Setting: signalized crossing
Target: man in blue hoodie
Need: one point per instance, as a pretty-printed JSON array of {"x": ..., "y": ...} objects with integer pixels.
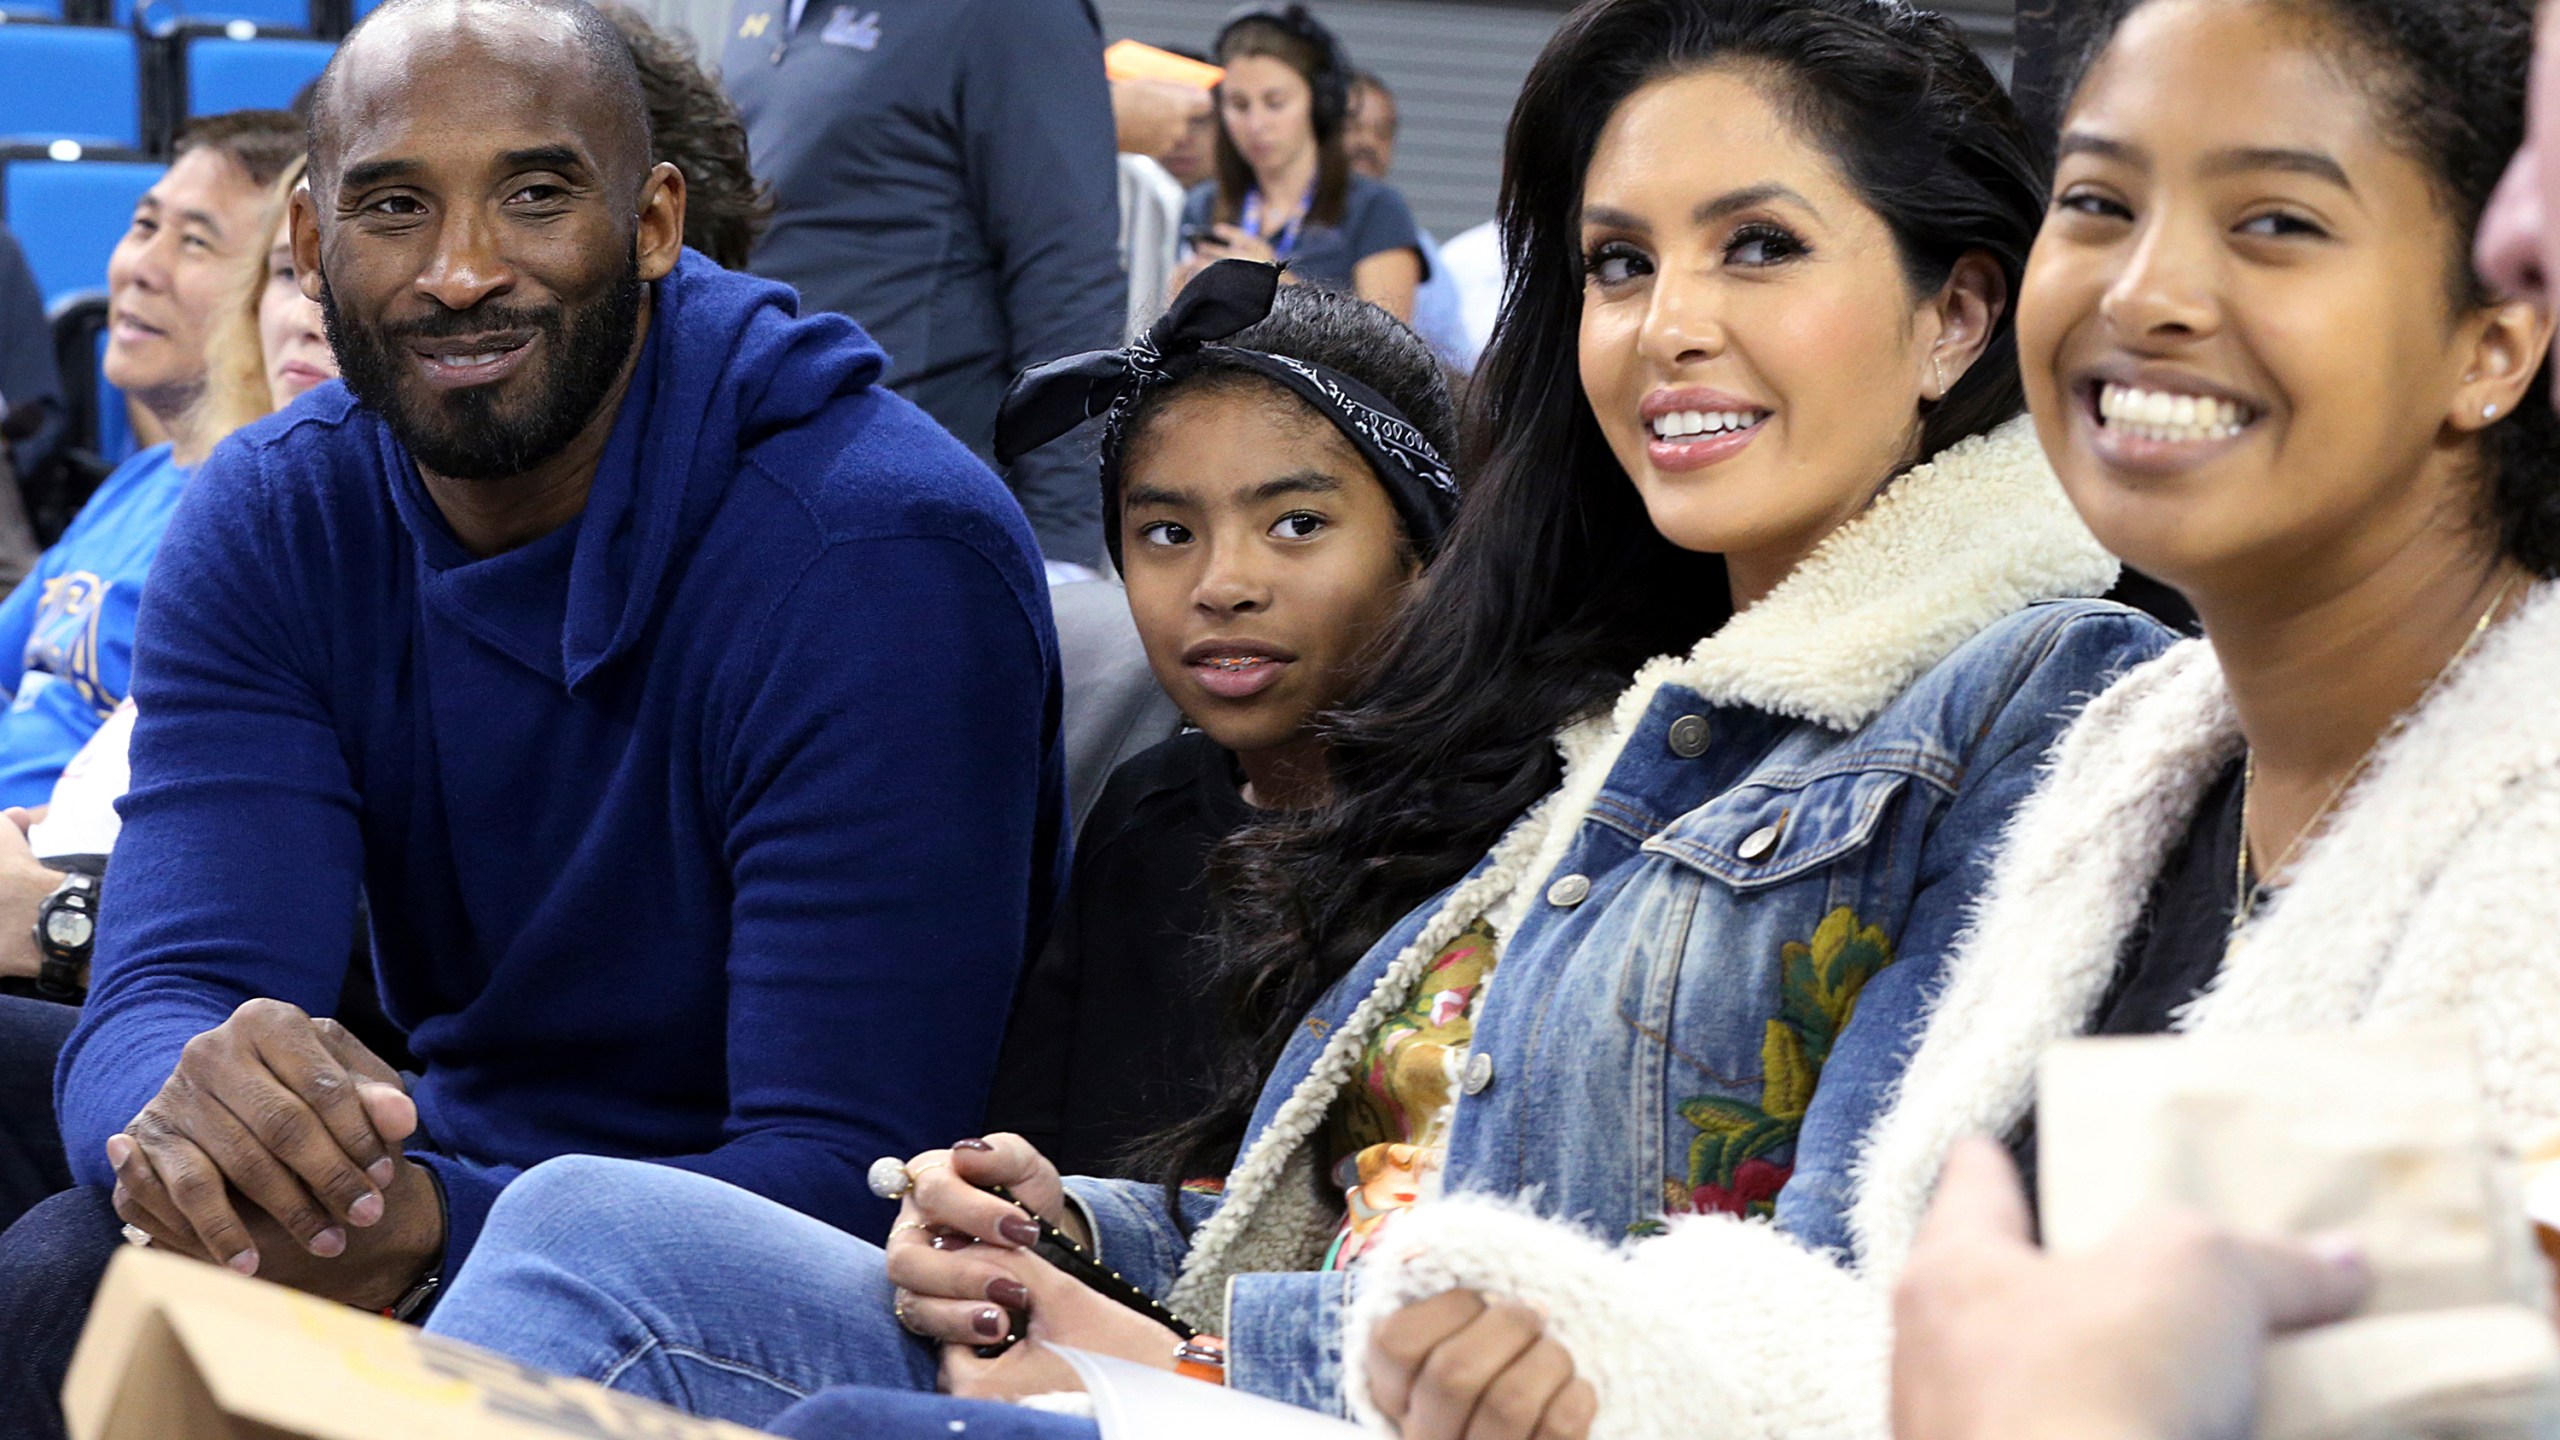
[{"x": 684, "y": 702}]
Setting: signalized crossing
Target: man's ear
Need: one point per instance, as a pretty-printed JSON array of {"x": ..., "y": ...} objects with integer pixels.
[
  {"x": 304, "y": 218},
  {"x": 661, "y": 237}
]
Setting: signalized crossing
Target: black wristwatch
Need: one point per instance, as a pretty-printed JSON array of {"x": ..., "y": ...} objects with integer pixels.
[{"x": 66, "y": 932}]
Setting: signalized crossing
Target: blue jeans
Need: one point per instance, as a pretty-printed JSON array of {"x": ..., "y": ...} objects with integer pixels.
[
  {"x": 32, "y": 1166},
  {"x": 52, "y": 1250},
  {"x": 51, "y": 1261},
  {"x": 689, "y": 1291}
]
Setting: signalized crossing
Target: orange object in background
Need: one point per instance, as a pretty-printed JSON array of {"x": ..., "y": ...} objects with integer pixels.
[{"x": 1131, "y": 60}]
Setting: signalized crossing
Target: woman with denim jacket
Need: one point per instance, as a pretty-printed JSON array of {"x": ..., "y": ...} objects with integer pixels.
[
  {"x": 2267, "y": 374},
  {"x": 1676, "y": 784}
]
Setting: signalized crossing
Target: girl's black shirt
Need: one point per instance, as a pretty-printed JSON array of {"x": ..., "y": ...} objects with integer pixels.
[
  {"x": 1113, "y": 1031},
  {"x": 2177, "y": 947}
]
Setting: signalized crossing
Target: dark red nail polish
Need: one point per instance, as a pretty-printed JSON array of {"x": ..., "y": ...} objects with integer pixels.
[
  {"x": 1011, "y": 1294},
  {"x": 1022, "y": 1230},
  {"x": 989, "y": 1322},
  {"x": 946, "y": 1240},
  {"x": 971, "y": 1145}
]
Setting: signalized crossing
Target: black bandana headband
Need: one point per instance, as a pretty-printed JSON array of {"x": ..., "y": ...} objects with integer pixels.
[{"x": 1049, "y": 400}]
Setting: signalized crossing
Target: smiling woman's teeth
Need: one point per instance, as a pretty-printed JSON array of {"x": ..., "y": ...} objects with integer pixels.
[
  {"x": 2169, "y": 417},
  {"x": 1236, "y": 662},
  {"x": 1680, "y": 424}
]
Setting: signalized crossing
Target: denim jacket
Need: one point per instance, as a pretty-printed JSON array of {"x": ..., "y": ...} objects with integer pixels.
[{"x": 1716, "y": 934}]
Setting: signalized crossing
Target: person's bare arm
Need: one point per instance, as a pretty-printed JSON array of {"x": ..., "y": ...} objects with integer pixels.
[
  {"x": 1388, "y": 280},
  {"x": 25, "y": 881}
]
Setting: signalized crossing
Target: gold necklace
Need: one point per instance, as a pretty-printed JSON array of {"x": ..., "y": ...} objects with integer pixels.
[{"x": 2244, "y": 901}]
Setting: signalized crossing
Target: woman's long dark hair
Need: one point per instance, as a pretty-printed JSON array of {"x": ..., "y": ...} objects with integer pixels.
[{"x": 1555, "y": 585}]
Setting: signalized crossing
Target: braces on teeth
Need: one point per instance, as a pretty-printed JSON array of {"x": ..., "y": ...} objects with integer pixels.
[
  {"x": 2168, "y": 417},
  {"x": 1235, "y": 662}
]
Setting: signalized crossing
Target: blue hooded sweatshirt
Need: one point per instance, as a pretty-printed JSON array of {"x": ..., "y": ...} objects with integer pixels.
[{"x": 711, "y": 828}]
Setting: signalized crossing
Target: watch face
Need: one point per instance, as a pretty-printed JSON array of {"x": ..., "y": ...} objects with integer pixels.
[{"x": 69, "y": 929}]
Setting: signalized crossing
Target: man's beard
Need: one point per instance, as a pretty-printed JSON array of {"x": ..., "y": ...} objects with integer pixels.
[{"x": 468, "y": 434}]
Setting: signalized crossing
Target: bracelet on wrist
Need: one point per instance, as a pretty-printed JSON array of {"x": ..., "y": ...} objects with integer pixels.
[{"x": 1202, "y": 1357}]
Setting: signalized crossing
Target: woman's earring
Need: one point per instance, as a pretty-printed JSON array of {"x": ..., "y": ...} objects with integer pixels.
[
  {"x": 1938, "y": 368},
  {"x": 2489, "y": 412}
]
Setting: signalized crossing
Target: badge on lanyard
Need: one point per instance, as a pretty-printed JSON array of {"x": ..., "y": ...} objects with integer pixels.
[{"x": 850, "y": 27}]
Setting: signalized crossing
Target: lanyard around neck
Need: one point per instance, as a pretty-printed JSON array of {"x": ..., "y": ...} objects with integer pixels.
[{"x": 1250, "y": 217}]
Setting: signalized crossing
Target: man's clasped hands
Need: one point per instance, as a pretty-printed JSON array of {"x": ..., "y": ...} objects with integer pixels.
[{"x": 275, "y": 1149}]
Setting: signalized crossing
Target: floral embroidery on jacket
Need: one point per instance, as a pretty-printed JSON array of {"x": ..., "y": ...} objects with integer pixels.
[
  {"x": 1390, "y": 1135},
  {"x": 1818, "y": 985}
]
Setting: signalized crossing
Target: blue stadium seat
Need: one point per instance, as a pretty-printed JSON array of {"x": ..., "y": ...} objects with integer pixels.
[
  {"x": 69, "y": 82},
  {"x": 100, "y": 433},
  {"x": 30, "y": 10},
  {"x": 257, "y": 74},
  {"x": 68, "y": 216},
  {"x": 159, "y": 17}
]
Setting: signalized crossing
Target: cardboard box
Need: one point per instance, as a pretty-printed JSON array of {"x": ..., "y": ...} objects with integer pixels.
[{"x": 177, "y": 1350}]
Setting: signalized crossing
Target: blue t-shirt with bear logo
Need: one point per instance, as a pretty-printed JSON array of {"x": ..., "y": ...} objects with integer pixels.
[{"x": 66, "y": 632}]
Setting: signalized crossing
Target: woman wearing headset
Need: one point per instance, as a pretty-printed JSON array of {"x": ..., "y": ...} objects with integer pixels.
[{"x": 1285, "y": 191}]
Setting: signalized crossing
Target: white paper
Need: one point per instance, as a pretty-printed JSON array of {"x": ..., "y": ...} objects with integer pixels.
[
  {"x": 1140, "y": 1402},
  {"x": 82, "y": 819}
]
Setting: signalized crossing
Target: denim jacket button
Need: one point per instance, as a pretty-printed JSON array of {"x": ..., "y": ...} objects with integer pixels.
[
  {"x": 1479, "y": 1074},
  {"x": 1689, "y": 736},
  {"x": 1569, "y": 891},
  {"x": 1758, "y": 844}
]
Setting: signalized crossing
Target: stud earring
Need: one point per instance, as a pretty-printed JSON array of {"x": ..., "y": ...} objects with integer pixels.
[
  {"x": 1938, "y": 369},
  {"x": 2488, "y": 412}
]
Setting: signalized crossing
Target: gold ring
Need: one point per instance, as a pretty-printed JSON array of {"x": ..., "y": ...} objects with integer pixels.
[
  {"x": 898, "y": 1309},
  {"x": 907, "y": 1225}
]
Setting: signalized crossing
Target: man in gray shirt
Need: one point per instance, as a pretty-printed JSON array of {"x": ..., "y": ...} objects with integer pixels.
[{"x": 943, "y": 172}]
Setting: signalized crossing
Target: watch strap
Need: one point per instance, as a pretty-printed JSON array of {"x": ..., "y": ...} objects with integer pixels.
[
  {"x": 414, "y": 1303},
  {"x": 62, "y": 971}
]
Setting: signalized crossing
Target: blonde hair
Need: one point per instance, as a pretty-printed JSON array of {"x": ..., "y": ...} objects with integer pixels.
[{"x": 235, "y": 381}]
